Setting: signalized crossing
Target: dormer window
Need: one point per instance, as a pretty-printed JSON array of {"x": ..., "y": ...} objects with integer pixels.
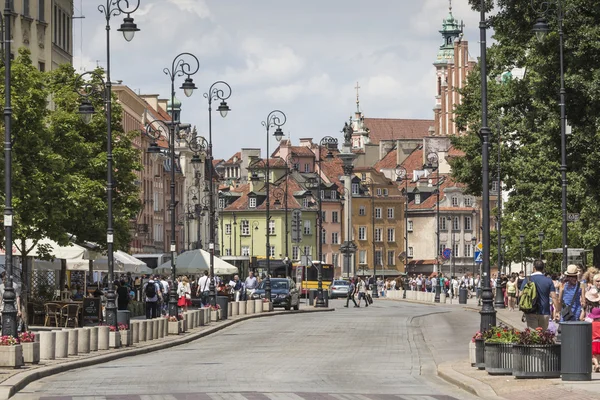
[
  {"x": 252, "y": 202},
  {"x": 417, "y": 198},
  {"x": 454, "y": 201}
]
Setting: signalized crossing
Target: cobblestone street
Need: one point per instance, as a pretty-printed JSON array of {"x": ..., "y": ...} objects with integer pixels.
[{"x": 384, "y": 352}]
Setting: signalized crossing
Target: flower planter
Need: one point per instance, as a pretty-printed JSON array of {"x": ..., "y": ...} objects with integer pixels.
[
  {"x": 214, "y": 316},
  {"x": 11, "y": 356},
  {"x": 173, "y": 327},
  {"x": 472, "y": 357},
  {"x": 498, "y": 358},
  {"x": 31, "y": 352},
  {"x": 125, "y": 338},
  {"x": 536, "y": 361},
  {"x": 479, "y": 353}
]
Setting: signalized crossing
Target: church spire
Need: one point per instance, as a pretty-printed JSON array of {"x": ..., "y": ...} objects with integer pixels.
[{"x": 357, "y": 101}]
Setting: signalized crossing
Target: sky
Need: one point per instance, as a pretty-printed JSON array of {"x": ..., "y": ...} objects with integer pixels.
[{"x": 301, "y": 57}]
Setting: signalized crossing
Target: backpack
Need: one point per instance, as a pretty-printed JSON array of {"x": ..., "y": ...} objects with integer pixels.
[
  {"x": 528, "y": 299},
  {"x": 150, "y": 290}
]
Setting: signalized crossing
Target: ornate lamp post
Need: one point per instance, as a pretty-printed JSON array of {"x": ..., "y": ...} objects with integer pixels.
[
  {"x": 540, "y": 29},
  {"x": 522, "y": 242},
  {"x": 401, "y": 176},
  {"x": 541, "y": 237},
  {"x": 369, "y": 182},
  {"x": 279, "y": 194},
  {"x": 276, "y": 119},
  {"x": 433, "y": 163},
  {"x": 86, "y": 111}
]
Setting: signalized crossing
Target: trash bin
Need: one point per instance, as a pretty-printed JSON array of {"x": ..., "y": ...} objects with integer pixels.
[
  {"x": 123, "y": 317},
  {"x": 312, "y": 294},
  {"x": 575, "y": 351},
  {"x": 223, "y": 302},
  {"x": 462, "y": 295}
]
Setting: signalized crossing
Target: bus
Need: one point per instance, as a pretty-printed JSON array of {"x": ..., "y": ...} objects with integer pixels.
[{"x": 310, "y": 276}]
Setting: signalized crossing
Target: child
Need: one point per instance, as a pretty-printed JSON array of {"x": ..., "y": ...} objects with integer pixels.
[{"x": 594, "y": 315}]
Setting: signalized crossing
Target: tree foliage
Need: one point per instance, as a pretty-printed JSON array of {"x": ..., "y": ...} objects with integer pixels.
[{"x": 525, "y": 115}]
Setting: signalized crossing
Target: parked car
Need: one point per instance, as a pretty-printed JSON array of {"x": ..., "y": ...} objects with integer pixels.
[
  {"x": 283, "y": 293},
  {"x": 338, "y": 288}
]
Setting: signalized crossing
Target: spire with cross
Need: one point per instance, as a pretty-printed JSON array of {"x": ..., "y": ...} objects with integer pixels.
[
  {"x": 450, "y": 7},
  {"x": 357, "y": 101}
]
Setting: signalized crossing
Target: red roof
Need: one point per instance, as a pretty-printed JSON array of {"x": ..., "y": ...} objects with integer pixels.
[
  {"x": 390, "y": 161},
  {"x": 392, "y": 129}
]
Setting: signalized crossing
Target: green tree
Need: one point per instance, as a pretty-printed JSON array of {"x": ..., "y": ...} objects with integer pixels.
[{"x": 525, "y": 114}]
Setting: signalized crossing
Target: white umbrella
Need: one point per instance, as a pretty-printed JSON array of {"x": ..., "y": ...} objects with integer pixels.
[
  {"x": 195, "y": 261},
  {"x": 69, "y": 252},
  {"x": 123, "y": 263}
]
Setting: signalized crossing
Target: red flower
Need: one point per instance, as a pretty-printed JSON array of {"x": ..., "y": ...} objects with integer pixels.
[{"x": 499, "y": 334}]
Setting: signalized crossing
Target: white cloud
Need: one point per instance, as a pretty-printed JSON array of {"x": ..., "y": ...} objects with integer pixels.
[{"x": 198, "y": 7}]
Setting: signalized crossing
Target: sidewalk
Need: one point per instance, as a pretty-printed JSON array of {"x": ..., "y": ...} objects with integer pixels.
[
  {"x": 13, "y": 380},
  {"x": 461, "y": 374}
]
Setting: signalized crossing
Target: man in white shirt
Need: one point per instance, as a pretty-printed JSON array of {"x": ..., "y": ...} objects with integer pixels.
[
  {"x": 165, "y": 297},
  {"x": 203, "y": 288},
  {"x": 250, "y": 284}
]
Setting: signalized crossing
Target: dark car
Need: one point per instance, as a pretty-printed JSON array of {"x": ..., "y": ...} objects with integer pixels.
[{"x": 283, "y": 293}]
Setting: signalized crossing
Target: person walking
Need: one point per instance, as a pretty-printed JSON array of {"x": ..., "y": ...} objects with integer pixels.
[
  {"x": 540, "y": 317},
  {"x": 152, "y": 293},
  {"x": 511, "y": 291},
  {"x": 203, "y": 288},
  {"x": 569, "y": 296},
  {"x": 250, "y": 284},
  {"x": 351, "y": 292},
  {"x": 184, "y": 292},
  {"x": 362, "y": 292}
]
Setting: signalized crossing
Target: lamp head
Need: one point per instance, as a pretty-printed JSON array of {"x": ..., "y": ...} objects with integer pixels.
[
  {"x": 129, "y": 28},
  {"x": 86, "y": 111},
  {"x": 188, "y": 86},
  {"x": 223, "y": 108},
  {"x": 196, "y": 161},
  {"x": 474, "y": 240},
  {"x": 194, "y": 197},
  {"x": 277, "y": 202},
  {"x": 154, "y": 150},
  {"x": 278, "y": 134},
  {"x": 521, "y": 238},
  {"x": 329, "y": 155},
  {"x": 541, "y": 29},
  {"x": 254, "y": 177},
  {"x": 541, "y": 236}
]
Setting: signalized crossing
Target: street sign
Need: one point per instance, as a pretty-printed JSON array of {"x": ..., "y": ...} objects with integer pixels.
[
  {"x": 447, "y": 253},
  {"x": 479, "y": 247},
  {"x": 478, "y": 256},
  {"x": 572, "y": 217}
]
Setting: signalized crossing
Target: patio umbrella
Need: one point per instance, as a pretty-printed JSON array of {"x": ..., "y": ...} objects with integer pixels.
[{"x": 193, "y": 262}]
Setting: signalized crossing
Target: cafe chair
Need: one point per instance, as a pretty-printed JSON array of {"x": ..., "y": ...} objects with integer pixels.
[
  {"x": 53, "y": 312},
  {"x": 37, "y": 313},
  {"x": 70, "y": 313}
]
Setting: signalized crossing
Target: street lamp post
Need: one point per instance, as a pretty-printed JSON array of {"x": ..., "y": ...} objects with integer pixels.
[
  {"x": 401, "y": 175},
  {"x": 488, "y": 313},
  {"x": 540, "y": 29},
  {"x": 541, "y": 237},
  {"x": 369, "y": 182},
  {"x": 433, "y": 162},
  {"x": 219, "y": 90},
  {"x": 290, "y": 159},
  {"x": 275, "y": 119},
  {"x": 473, "y": 244},
  {"x": 522, "y": 242},
  {"x": 86, "y": 110}
]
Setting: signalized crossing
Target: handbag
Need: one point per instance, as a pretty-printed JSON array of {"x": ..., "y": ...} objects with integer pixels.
[{"x": 567, "y": 313}]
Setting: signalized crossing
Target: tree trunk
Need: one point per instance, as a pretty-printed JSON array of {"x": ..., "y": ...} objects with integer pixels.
[{"x": 63, "y": 275}]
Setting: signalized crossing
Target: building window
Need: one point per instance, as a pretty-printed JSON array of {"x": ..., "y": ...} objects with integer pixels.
[
  {"x": 443, "y": 224},
  {"x": 378, "y": 212},
  {"x": 391, "y": 235},
  {"x": 62, "y": 29},
  {"x": 307, "y": 251},
  {"x": 454, "y": 201},
  {"x": 323, "y": 216},
  {"x": 385, "y": 192},
  {"x": 391, "y": 257},
  {"x": 295, "y": 253},
  {"x": 355, "y": 188},
  {"x": 333, "y": 195},
  {"x": 456, "y": 224},
  {"x": 25, "y": 8},
  {"x": 307, "y": 230},
  {"x": 378, "y": 191},
  {"x": 468, "y": 224},
  {"x": 272, "y": 251},
  {"x": 378, "y": 256},
  {"x": 378, "y": 234},
  {"x": 441, "y": 249},
  {"x": 390, "y": 212},
  {"x": 411, "y": 252},
  {"x": 362, "y": 211},
  {"x": 417, "y": 198},
  {"x": 410, "y": 226},
  {"x": 305, "y": 202},
  {"x": 335, "y": 257},
  {"x": 334, "y": 217},
  {"x": 334, "y": 237},
  {"x": 42, "y": 10},
  {"x": 221, "y": 203},
  {"x": 245, "y": 227},
  {"x": 322, "y": 194},
  {"x": 468, "y": 201},
  {"x": 363, "y": 176},
  {"x": 495, "y": 186},
  {"x": 296, "y": 167},
  {"x": 227, "y": 252},
  {"x": 245, "y": 251},
  {"x": 252, "y": 202},
  {"x": 323, "y": 237},
  {"x": 455, "y": 248},
  {"x": 362, "y": 257},
  {"x": 271, "y": 227},
  {"x": 42, "y": 66},
  {"x": 306, "y": 168},
  {"x": 362, "y": 233},
  {"x": 468, "y": 250},
  {"x": 228, "y": 229}
]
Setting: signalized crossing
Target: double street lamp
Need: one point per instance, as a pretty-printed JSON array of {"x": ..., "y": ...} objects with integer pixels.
[
  {"x": 541, "y": 29},
  {"x": 279, "y": 194},
  {"x": 401, "y": 176},
  {"x": 98, "y": 86}
]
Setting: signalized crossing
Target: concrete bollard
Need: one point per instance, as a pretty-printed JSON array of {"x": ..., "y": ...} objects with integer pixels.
[
  {"x": 201, "y": 318},
  {"x": 47, "y": 345},
  {"x": 166, "y": 327},
  {"x": 250, "y": 306},
  {"x": 93, "y": 338},
  {"x": 150, "y": 330},
  {"x": 156, "y": 327},
  {"x": 135, "y": 331},
  {"x": 72, "y": 341},
  {"x": 62, "y": 344},
  {"x": 242, "y": 307},
  {"x": 258, "y": 306},
  {"x": 83, "y": 340},
  {"x": 235, "y": 308},
  {"x": 143, "y": 329},
  {"x": 229, "y": 310},
  {"x": 161, "y": 327},
  {"x": 103, "y": 337}
]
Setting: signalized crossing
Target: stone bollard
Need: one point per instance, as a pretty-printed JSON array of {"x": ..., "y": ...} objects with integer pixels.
[
  {"x": 62, "y": 344},
  {"x": 235, "y": 308},
  {"x": 442, "y": 297},
  {"x": 242, "y": 307},
  {"x": 229, "y": 310},
  {"x": 93, "y": 338},
  {"x": 166, "y": 327},
  {"x": 143, "y": 328},
  {"x": 150, "y": 329},
  {"x": 47, "y": 345},
  {"x": 135, "y": 331},
  {"x": 201, "y": 318},
  {"x": 156, "y": 327},
  {"x": 73, "y": 342},
  {"x": 103, "y": 337},
  {"x": 250, "y": 307},
  {"x": 258, "y": 306},
  {"x": 161, "y": 327},
  {"x": 83, "y": 340}
]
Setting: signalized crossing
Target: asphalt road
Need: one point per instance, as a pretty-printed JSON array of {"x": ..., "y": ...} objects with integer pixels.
[{"x": 387, "y": 351}]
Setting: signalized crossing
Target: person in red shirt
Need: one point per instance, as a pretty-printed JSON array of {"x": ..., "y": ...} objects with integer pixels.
[{"x": 594, "y": 315}]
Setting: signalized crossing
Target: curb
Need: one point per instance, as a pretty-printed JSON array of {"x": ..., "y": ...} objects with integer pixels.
[
  {"x": 17, "y": 382},
  {"x": 471, "y": 385}
]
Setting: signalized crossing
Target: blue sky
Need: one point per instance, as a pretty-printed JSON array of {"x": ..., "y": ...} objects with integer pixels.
[{"x": 302, "y": 57}]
